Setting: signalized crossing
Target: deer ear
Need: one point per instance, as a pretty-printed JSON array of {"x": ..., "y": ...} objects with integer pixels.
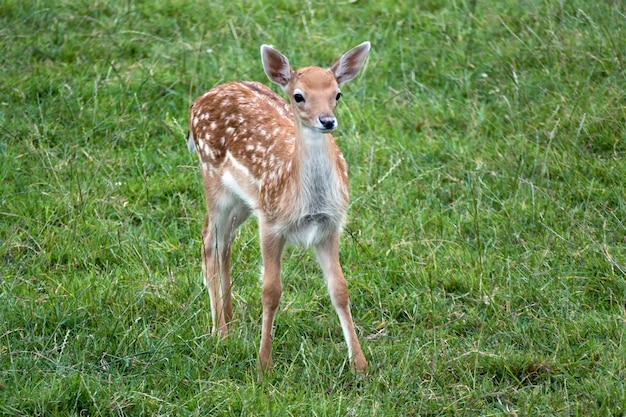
[
  {"x": 276, "y": 66},
  {"x": 348, "y": 66}
]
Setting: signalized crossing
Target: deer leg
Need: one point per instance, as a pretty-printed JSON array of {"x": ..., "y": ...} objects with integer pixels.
[
  {"x": 236, "y": 217},
  {"x": 212, "y": 276},
  {"x": 217, "y": 237},
  {"x": 328, "y": 257},
  {"x": 225, "y": 284},
  {"x": 271, "y": 248}
]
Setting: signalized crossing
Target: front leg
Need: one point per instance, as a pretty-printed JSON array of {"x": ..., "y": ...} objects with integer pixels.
[
  {"x": 328, "y": 257},
  {"x": 271, "y": 250}
]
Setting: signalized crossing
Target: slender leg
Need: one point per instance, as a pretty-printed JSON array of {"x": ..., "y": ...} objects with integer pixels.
[
  {"x": 210, "y": 270},
  {"x": 328, "y": 257},
  {"x": 236, "y": 217},
  {"x": 217, "y": 238},
  {"x": 271, "y": 248},
  {"x": 225, "y": 284}
]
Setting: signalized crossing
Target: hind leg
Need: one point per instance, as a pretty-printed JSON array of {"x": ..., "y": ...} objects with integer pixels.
[
  {"x": 217, "y": 238},
  {"x": 212, "y": 280}
]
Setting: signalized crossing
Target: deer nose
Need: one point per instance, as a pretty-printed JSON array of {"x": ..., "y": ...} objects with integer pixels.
[{"x": 328, "y": 122}]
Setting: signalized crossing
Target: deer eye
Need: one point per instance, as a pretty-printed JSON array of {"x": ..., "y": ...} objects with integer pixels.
[
  {"x": 299, "y": 98},
  {"x": 338, "y": 96}
]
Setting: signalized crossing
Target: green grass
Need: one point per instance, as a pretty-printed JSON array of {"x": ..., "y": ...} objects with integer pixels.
[{"x": 486, "y": 244}]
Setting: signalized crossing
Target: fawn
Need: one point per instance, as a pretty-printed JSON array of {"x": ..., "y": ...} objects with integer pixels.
[{"x": 278, "y": 161}]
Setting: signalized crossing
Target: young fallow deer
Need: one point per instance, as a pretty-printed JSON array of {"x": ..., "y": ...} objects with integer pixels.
[{"x": 278, "y": 161}]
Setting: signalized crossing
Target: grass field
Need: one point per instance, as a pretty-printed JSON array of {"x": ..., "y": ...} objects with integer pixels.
[{"x": 485, "y": 249}]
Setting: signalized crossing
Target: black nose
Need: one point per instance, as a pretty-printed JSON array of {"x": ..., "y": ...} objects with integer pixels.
[{"x": 329, "y": 122}]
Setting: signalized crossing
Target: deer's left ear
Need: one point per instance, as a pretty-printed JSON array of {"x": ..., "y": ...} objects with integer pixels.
[
  {"x": 276, "y": 66},
  {"x": 348, "y": 66}
]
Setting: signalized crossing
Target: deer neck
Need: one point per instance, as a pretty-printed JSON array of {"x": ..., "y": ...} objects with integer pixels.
[
  {"x": 317, "y": 178},
  {"x": 312, "y": 150}
]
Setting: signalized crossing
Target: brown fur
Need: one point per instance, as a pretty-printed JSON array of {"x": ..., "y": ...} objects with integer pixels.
[{"x": 261, "y": 155}]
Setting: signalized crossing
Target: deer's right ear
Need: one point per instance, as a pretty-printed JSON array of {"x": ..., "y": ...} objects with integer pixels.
[
  {"x": 276, "y": 66},
  {"x": 348, "y": 66}
]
